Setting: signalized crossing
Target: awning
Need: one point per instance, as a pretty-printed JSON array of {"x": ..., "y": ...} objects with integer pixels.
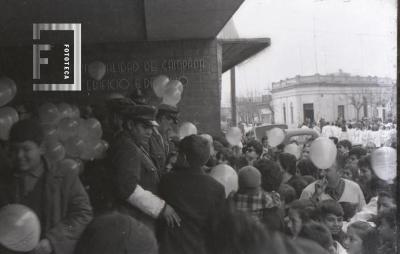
[{"x": 235, "y": 51}]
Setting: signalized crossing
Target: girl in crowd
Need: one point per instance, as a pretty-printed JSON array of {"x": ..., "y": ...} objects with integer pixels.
[{"x": 361, "y": 238}]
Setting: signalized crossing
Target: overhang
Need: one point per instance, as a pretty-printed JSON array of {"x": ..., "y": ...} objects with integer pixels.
[
  {"x": 105, "y": 21},
  {"x": 235, "y": 51}
]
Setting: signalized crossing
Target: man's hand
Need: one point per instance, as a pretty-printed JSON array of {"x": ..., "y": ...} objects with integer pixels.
[
  {"x": 171, "y": 216},
  {"x": 43, "y": 247},
  {"x": 320, "y": 186}
]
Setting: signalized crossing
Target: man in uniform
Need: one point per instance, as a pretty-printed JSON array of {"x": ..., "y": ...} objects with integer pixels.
[
  {"x": 160, "y": 145},
  {"x": 135, "y": 173}
]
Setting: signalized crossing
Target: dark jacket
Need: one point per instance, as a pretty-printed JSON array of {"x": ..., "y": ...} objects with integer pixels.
[
  {"x": 131, "y": 167},
  {"x": 67, "y": 210},
  {"x": 195, "y": 197},
  {"x": 159, "y": 148}
]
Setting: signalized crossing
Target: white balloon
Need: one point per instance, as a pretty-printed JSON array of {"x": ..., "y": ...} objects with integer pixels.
[
  {"x": 292, "y": 149},
  {"x": 187, "y": 129},
  {"x": 275, "y": 136},
  {"x": 159, "y": 85},
  {"x": 234, "y": 136},
  {"x": 323, "y": 152},
  {"x": 19, "y": 228},
  {"x": 97, "y": 70},
  {"x": 384, "y": 162},
  {"x": 227, "y": 176}
]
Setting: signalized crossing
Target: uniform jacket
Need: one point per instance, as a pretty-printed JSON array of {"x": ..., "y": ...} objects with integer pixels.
[
  {"x": 132, "y": 166},
  {"x": 67, "y": 209}
]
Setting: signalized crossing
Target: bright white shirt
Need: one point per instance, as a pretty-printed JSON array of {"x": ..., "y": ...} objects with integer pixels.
[{"x": 352, "y": 194}]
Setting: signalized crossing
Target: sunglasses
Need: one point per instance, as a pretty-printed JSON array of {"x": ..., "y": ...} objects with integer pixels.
[{"x": 250, "y": 150}]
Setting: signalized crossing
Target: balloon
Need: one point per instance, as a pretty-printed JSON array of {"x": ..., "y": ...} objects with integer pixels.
[
  {"x": 227, "y": 176},
  {"x": 74, "y": 146},
  {"x": 64, "y": 110},
  {"x": 76, "y": 113},
  {"x": 82, "y": 128},
  {"x": 187, "y": 129},
  {"x": 234, "y": 136},
  {"x": 97, "y": 70},
  {"x": 94, "y": 128},
  {"x": 292, "y": 149},
  {"x": 275, "y": 136},
  {"x": 384, "y": 162},
  {"x": 70, "y": 164},
  {"x": 48, "y": 113},
  {"x": 55, "y": 151},
  {"x": 210, "y": 142},
  {"x": 159, "y": 85},
  {"x": 8, "y": 116},
  {"x": 323, "y": 152},
  {"x": 19, "y": 228},
  {"x": 50, "y": 132},
  {"x": 172, "y": 99},
  {"x": 8, "y": 89},
  {"x": 67, "y": 128}
]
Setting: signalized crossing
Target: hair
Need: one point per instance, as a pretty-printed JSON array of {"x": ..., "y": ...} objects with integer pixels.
[
  {"x": 298, "y": 184},
  {"x": 306, "y": 167},
  {"x": 389, "y": 215},
  {"x": 305, "y": 208},
  {"x": 345, "y": 143},
  {"x": 365, "y": 161},
  {"x": 287, "y": 193},
  {"x": 358, "y": 152},
  {"x": 27, "y": 130},
  {"x": 225, "y": 154},
  {"x": 288, "y": 162},
  {"x": 256, "y": 145},
  {"x": 318, "y": 233},
  {"x": 368, "y": 235},
  {"x": 271, "y": 174},
  {"x": 334, "y": 139},
  {"x": 196, "y": 149},
  {"x": 330, "y": 206}
]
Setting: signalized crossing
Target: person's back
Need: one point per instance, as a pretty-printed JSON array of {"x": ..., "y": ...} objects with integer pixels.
[{"x": 194, "y": 195}]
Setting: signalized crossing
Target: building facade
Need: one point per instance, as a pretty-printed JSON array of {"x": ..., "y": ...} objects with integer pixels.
[{"x": 333, "y": 96}]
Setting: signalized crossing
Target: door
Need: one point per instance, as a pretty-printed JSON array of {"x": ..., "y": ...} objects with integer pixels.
[{"x": 308, "y": 110}]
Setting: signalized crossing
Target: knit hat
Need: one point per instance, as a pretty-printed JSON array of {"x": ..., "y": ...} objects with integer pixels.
[
  {"x": 117, "y": 233},
  {"x": 27, "y": 130},
  {"x": 249, "y": 177}
]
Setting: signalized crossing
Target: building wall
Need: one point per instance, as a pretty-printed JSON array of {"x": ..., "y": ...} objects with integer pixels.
[
  {"x": 325, "y": 99},
  {"x": 197, "y": 63}
]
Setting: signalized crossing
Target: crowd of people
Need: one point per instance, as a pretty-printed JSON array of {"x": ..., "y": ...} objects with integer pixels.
[{"x": 153, "y": 193}]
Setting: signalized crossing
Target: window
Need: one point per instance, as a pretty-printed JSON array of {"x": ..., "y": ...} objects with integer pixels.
[
  {"x": 291, "y": 113},
  {"x": 284, "y": 113},
  {"x": 341, "y": 111}
]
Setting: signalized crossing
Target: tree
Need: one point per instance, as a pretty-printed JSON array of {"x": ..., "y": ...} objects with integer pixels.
[{"x": 357, "y": 101}]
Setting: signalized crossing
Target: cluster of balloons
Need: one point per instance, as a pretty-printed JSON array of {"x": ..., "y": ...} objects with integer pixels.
[
  {"x": 226, "y": 176},
  {"x": 323, "y": 152},
  {"x": 186, "y": 129},
  {"x": 97, "y": 70},
  {"x": 234, "y": 136},
  {"x": 8, "y": 115},
  {"x": 19, "y": 228},
  {"x": 70, "y": 139},
  {"x": 169, "y": 90}
]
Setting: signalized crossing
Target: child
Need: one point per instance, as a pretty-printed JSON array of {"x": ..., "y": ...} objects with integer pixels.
[
  {"x": 362, "y": 238},
  {"x": 250, "y": 197},
  {"x": 330, "y": 213},
  {"x": 387, "y": 231},
  {"x": 194, "y": 195},
  {"x": 344, "y": 147},
  {"x": 318, "y": 233},
  {"x": 299, "y": 213}
]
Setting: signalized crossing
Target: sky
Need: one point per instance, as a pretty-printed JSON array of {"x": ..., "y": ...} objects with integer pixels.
[{"x": 314, "y": 36}]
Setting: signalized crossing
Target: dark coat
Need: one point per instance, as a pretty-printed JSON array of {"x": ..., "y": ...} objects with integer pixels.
[
  {"x": 158, "y": 148},
  {"x": 195, "y": 197},
  {"x": 67, "y": 209},
  {"x": 132, "y": 167}
]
